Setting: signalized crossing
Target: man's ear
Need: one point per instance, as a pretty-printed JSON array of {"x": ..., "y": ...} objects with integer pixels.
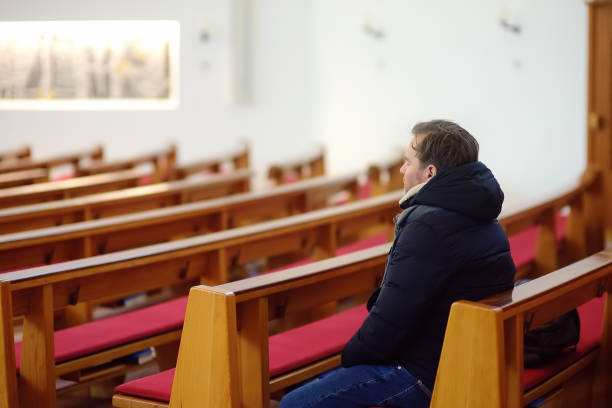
[{"x": 431, "y": 171}]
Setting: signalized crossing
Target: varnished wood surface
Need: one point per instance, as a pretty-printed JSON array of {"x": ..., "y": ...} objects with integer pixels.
[
  {"x": 20, "y": 178},
  {"x": 239, "y": 158},
  {"x": 319, "y": 185},
  {"x": 68, "y": 158},
  {"x": 306, "y": 166},
  {"x": 127, "y": 200},
  {"x": 111, "y": 234},
  {"x": 153, "y": 157},
  {"x": 18, "y": 153},
  {"x": 57, "y": 190}
]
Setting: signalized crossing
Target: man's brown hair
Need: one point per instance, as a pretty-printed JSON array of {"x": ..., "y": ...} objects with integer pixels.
[{"x": 444, "y": 144}]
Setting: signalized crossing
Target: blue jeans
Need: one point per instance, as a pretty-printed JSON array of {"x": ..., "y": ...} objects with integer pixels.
[{"x": 361, "y": 386}]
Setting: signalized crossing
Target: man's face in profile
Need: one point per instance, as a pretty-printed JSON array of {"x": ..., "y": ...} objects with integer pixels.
[{"x": 413, "y": 171}]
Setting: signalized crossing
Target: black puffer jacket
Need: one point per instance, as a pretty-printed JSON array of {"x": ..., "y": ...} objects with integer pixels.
[{"x": 448, "y": 246}]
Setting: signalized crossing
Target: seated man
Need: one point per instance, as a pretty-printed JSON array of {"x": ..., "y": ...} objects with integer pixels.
[{"x": 448, "y": 246}]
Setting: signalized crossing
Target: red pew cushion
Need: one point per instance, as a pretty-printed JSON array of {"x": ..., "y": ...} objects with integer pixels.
[
  {"x": 156, "y": 387},
  {"x": 523, "y": 244},
  {"x": 102, "y": 334}
]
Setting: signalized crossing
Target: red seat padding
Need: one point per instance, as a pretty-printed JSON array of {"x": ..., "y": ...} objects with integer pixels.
[
  {"x": 373, "y": 240},
  {"x": 64, "y": 176},
  {"x": 288, "y": 350},
  {"x": 314, "y": 341},
  {"x": 523, "y": 244},
  {"x": 376, "y": 239},
  {"x": 99, "y": 335},
  {"x": 145, "y": 180},
  {"x": 591, "y": 318},
  {"x": 156, "y": 387},
  {"x": 365, "y": 190}
]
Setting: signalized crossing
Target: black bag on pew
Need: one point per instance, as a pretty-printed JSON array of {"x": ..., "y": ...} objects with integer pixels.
[{"x": 549, "y": 340}]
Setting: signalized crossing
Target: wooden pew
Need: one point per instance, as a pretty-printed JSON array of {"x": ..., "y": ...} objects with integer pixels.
[
  {"x": 235, "y": 159},
  {"x": 16, "y": 154},
  {"x": 83, "y": 239},
  {"x": 80, "y": 186},
  {"x": 385, "y": 175},
  {"x": 70, "y": 158},
  {"x": 311, "y": 165},
  {"x": 551, "y": 252},
  {"x": 163, "y": 161},
  {"x": 24, "y": 177},
  {"x": 35, "y": 293},
  {"x": 487, "y": 337},
  {"x": 129, "y": 200},
  {"x": 225, "y": 350}
]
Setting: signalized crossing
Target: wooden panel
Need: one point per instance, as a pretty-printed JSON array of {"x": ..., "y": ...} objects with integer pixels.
[
  {"x": 37, "y": 370},
  {"x": 253, "y": 353},
  {"x": 471, "y": 369},
  {"x": 8, "y": 377},
  {"x": 208, "y": 352},
  {"x": 599, "y": 147},
  {"x": 513, "y": 343}
]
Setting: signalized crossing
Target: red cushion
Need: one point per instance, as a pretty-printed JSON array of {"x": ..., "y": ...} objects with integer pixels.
[
  {"x": 591, "y": 317},
  {"x": 376, "y": 239},
  {"x": 523, "y": 244},
  {"x": 365, "y": 189},
  {"x": 157, "y": 387},
  {"x": 65, "y": 176},
  {"x": 288, "y": 350},
  {"x": 311, "y": 342},
  {"x": 145, "y": 180},
  {"x": 96, "y": 336}
]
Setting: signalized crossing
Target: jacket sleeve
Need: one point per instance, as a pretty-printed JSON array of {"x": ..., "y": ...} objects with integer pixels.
[{"x": 418, "y": 268}]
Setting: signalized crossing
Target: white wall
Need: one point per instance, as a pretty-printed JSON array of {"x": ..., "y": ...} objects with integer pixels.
[
  {"x": 523, "y": 96},
  {"x": 278, "y": 121}
]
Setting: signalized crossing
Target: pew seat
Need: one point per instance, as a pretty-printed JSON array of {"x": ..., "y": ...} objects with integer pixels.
[
  {"x": 304, "y": 345},
  {"x": 97, "y": 336},
  {"x": 523, "y": 245}
]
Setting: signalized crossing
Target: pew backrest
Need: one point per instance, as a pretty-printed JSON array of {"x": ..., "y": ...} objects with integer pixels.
[
  {"x": 24, "y": 177},
  {"x": 310, "y": 165},
  {"x": 163, "y": 161},
  {"x": 74, "y": 159},
  {"x": 18, "y": 153}
]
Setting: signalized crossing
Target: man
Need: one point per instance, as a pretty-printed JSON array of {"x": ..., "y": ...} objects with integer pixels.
[{"x": 448, "y": 246}]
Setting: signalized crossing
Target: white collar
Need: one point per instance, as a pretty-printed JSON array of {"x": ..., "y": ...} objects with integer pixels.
[{"x": 410, "y": 193}]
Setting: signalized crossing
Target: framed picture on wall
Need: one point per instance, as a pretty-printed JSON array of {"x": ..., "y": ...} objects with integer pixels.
[{"x": 89, "y": 65}]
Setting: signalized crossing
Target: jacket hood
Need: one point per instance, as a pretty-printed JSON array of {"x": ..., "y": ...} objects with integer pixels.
[{"x": 469, "y": 189}]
